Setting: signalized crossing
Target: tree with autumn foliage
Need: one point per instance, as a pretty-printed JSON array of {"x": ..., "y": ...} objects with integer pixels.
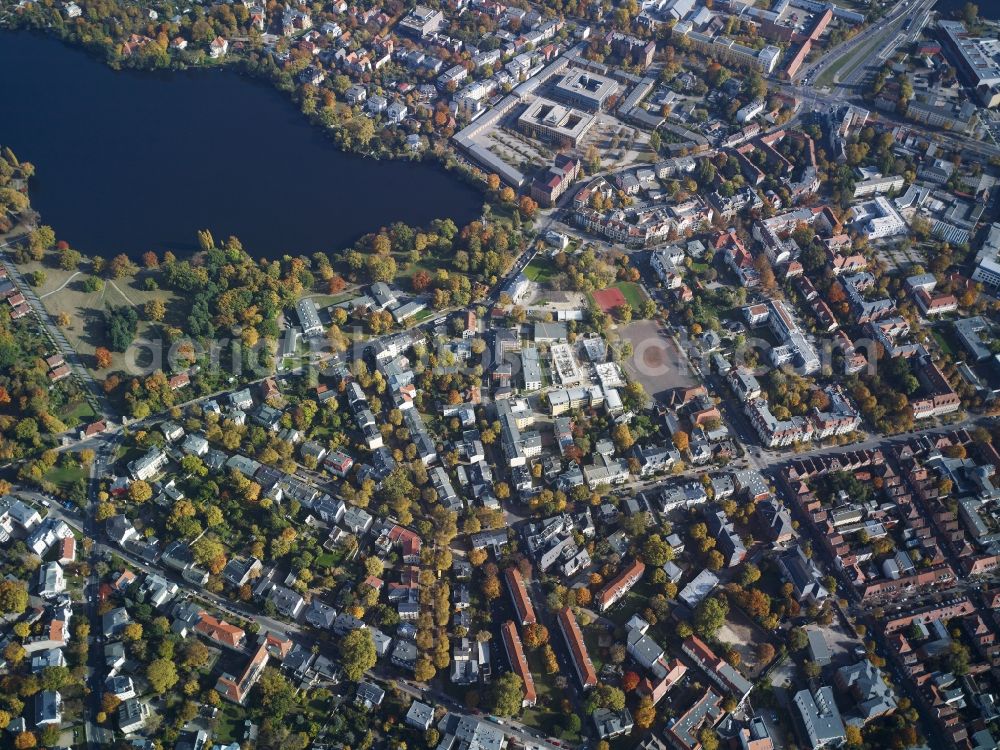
[
  {"x": 140, "y": 491},
  {"x": 645, "y": 713},
  {"x": 102, "y": 357},
  {"x": 421, "y": 281},
  {"x": 764, "y": 652},
  {"x": 535, "y": 635},
  {"x": 155, "y": 310},
  {"x": 527, "y": 207},
  {"x": 491, "y": 587},
  {"x": 335, "y": 284}
]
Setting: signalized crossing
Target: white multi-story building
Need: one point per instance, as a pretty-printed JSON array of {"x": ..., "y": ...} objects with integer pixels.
[
  {"x": 987, "y": 271},
  {"x": 750, "y": 111},
  {"x": 878, "y": 218}
]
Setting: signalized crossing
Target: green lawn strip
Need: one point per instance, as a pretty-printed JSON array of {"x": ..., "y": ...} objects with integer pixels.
[
  {"x": 229, "y": 717},
  {"x": 847, "y": 64},
  {"x": 591, "y": 636},
  {"x": 326, "y": 560},
  {"x": 424, "y": 315},
  {"x": 943, "y": 343},
  {"x": 77, "y": 413},
  {"x": 325, "y": 300}
]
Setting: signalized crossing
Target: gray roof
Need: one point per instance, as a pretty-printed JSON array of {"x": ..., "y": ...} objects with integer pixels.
[
  {"x": 48, "y": 707},
  {"x": 370, "y": 693},
  {"x": 420, "y": 714},
  {"x": 874, "y": 697},
  {"x": 820, "y": 716},
  {"x": 818, "y": 646},
  {"x": 550, "y": 331},
  {"x": 469, "y": 733}
]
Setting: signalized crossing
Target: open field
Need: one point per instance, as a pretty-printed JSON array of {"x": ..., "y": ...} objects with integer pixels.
[
  {"x": 541, "y": 269},
  {"x": 63, "y": 292},
  {"x": 77, "y": 413},
  {"x": 632, "y": 292}
]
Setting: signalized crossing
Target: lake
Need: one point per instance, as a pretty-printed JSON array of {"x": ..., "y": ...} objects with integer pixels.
[
  {"x": 133, "y": 161},
  {"x": 987, "y": 8}
]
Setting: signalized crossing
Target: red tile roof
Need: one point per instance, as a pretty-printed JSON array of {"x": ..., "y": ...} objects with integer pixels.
[
  {"x": 95, "y": 428},
  {"x": 237, "y": 688},
  {"x": 577, "y": 648},
  {"x": 278, "y": 645},
  {"x": 518, "y": 662},
  {"x": 220, "y": 631},
  {"x": 67, "y": 548},
  {"x": 519, "y": 594},
  {"x": 621, "y": 584}
]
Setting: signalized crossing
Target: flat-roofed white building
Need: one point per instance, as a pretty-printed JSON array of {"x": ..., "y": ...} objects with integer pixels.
[{"x": 555, "y": 123}]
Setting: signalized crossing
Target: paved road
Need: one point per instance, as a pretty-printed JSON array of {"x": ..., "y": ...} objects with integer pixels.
[{"x": 891, "y": 20}]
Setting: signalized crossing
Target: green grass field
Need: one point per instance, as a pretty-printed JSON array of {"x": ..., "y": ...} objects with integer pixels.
[
  {"x": 230, "y": 717},
  {"x": 326, "y": 560},
  {"x": 540, "y": 270},
  {"x": 65, "y": 476},
  {"x": 424, "y": 315},
  {"x": 77, "y": 413}
]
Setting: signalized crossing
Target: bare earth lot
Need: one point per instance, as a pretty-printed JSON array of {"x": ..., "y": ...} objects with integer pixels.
[
  {"x": 742, "y": 634},
  {"x": 655, "y": 362}
]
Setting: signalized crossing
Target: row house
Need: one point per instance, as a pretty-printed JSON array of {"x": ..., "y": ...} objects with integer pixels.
[{"x": 621, "y": 585}]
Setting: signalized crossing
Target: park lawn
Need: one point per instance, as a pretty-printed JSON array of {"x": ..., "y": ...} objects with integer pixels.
[
  {"x": 65, "y": 476},
  {"x": 326, "y": 560},
  {"x": 406, "y": 270},
  {"x": 63, "y": 292},
  {"x": 540, "y": 270}
]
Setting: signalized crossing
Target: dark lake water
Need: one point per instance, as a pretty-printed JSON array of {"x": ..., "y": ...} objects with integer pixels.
[
  {"x": 134, "y": 161},
  {"x": 987, "y": 8}
]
